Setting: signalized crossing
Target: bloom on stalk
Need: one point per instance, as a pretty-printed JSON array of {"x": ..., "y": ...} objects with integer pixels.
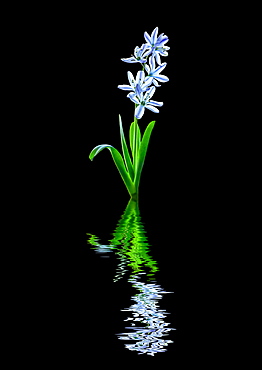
[
  {"x": 153, "y": 73},
  {"x": 140, "y": 78},
  {"x": 139, "y": 57},
  {"x": 143, "y": 101},
  {"x": 156, "y": 44}
]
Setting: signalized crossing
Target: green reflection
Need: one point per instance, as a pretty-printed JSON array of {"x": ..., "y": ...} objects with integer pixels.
[{"x": 129, "y": 243}]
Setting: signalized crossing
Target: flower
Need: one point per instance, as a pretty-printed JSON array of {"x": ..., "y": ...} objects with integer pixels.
[
  {"x": 144, "y": 101},
  {"x": 140, "y": 54},
  {"x": 153, "y": 73},
  {"x": 140, "y": 78},
  {"x": 156, "y": 44}
]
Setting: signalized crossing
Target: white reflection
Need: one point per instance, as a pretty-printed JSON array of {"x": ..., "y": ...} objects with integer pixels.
[{"x": 148, "y": 338}]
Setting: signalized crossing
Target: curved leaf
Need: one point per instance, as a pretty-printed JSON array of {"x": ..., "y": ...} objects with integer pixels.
[{"x": 118, "y": 162}]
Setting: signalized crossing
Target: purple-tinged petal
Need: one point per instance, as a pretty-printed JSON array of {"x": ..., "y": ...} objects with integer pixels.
[
  {"x": 154, "y": 36},
  {"x": 132, "y": 96},
  {"x": 147, "y": 38},
  {"x": 161, "y": 78},
  {"x": 156, "y": 103},
  {"x": 125, "y": 87},
  {"x": 160, "y": 37},
  {"x": 162, "y": 42},
  {"x": 139, "y": 111},
  {"x": 153, "y": 109},
  {"x": 129, "y": 60}
]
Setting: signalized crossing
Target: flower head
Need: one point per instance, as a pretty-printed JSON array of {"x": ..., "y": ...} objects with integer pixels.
[
  {"x": 139, "y": 55},
  {"x": 153, "y": 73},
  {"x": 156, "y": 44},
  {"x": 140, "y": 80},
  {"x": 143, "y": 101}
]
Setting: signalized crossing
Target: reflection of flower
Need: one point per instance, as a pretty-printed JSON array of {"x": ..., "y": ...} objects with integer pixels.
[{"x": 149, "y": 338}]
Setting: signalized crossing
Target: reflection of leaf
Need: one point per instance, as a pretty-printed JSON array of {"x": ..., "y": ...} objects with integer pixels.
[{"x": 129, "y": 243}]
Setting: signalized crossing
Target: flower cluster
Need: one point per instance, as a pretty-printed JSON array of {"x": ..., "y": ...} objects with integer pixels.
[{"x": 140, "y": 90}]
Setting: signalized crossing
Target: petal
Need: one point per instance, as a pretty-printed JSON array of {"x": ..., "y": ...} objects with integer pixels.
[
  {"x": 147, "y": 68},
  {"x": 156, "y": 103},
  {"x": 143, "y": 48},
  {"x": 153, "y": 109},
  {"x": 160, "y": 68},
  {"x": 148, "y": 81},
  {"x": 152, "y": 63},
  {"x": 156, "y": 83},
  {"x": 136, "y": 50},
  {"x": 147, "y": 52},
  {"x": 125, "y": 87},
  {"x": 160, "y": 37},
  {"x": 147, "y": 38},
  {"x": 149, "y": 93},
  {"x": 161, "y": 78},
  {"x": 140, "y": 77},
  {"x": 139, "y": 111},
  {"x": 132, "y": 96},
  {"x": 154, "y": 35},
  {"x": 158, "y": 60},
  {"x": 129, "y": 60},
  {"x": 131, "y": 78},
  {"x": 163, "y": 52},
  {"x": 139, "y": 92},
  {"x": 162, "y": 42}
]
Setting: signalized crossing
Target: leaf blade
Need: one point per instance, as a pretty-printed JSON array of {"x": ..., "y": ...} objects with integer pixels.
[
  {"x": 126, "y": 155},
  {"x": 142, "y": 151},
  {"x": 119, "y": 164}
]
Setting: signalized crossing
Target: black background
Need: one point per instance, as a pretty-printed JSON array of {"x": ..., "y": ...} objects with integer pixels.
[{"x": 68, "y": 76}]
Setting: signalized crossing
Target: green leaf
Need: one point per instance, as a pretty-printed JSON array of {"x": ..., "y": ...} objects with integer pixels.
[
  {"x": 142, "y": 151},
  {"x": 118, "y": 162},
  {"x": 125, "y": 151},
  {"x": 135, "y": 140},
  {"x": 131, "y": 139}
]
